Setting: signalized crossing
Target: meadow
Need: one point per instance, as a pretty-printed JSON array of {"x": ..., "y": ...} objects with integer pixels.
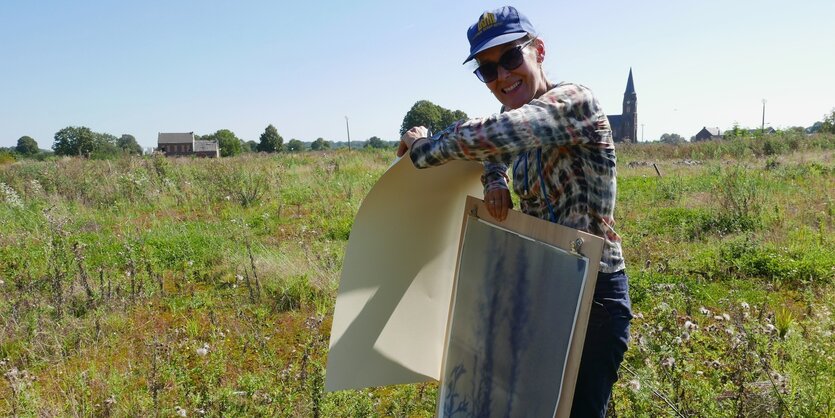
[{"x": 147, "y": 286}]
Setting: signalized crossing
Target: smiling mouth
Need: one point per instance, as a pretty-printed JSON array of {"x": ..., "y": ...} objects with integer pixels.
[{"x": 512, "y": 87}]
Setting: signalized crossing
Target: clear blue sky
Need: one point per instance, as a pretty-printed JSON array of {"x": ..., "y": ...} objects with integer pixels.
[{"x": 178, "y": 66}]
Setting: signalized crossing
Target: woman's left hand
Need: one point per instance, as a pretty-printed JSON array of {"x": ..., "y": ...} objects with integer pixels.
[{"x": 498, "y": 203}]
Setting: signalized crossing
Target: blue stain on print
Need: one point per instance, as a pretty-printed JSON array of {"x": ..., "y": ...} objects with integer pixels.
[
  {"x": 519, "y": 331},
  {"x": 450, "y": 406}
]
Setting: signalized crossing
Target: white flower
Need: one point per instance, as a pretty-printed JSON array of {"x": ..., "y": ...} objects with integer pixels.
[
  {"x": 677, "y": 340},
  {"x": 668, "y": 362},
  {"x": 769, "y": 328},
  {"x": 685, "y": 336},
  {"x": 745, "y": 306},
  {"x": 704, "y": 311},
  {"x": 690, "y": 326},
  {"x": 719, "y": 317},
  {"x": 638, "y": 315},
  {"x": 635, "y": 385},
  {"x": 726, "y": 316},
  {"x": 180, "y": 411},
  {"x": 202, "y": 351}
]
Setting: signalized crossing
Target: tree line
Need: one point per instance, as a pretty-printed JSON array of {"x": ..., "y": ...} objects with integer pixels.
[{"x": 84, "y": 142}]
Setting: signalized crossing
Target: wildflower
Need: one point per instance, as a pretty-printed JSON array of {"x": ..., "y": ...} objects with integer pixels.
[
  {"x": 202, "y": 351},
  {"x": 10, "y": 196},
  {"x": 677, "y": 340},
  {"x": 744, "y": 305},
  {"x": 180, "y": 411},
  {"x": 110, "y": 401},
  {"x": 668, "y": 362},
  {"x": 719, "y": 317},
  {"x": 726, "y": 316},
  {"x": 769, "y": 328},
  {"x": 715, "y": 364},
  {"x": 689, "y": 326},
  {"x": 704, "y": 311},
  {"x": 685, "y": 336},
  {"x": 635, "y": 385},
  {"x": 638, "y": 315},
  {"x": 700, "y": 373}
]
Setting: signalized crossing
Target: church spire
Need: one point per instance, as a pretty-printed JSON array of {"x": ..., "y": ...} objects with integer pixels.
[{"x": 630, "y": 87}]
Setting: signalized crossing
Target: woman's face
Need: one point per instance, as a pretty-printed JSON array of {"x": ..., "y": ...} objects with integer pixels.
[{"x": 515, "y": 88}]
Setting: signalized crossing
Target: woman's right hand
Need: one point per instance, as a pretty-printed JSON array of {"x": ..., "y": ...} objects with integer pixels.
[{"x": 409, "y": 137}]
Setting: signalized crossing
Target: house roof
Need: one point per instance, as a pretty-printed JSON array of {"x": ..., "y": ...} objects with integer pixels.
[
  {"x": 175, "y": 138},
  {"x": 713, "y": 130}
]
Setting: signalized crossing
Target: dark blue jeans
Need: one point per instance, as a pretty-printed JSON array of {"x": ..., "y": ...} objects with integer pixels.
[{"x": 605, "y": 345}]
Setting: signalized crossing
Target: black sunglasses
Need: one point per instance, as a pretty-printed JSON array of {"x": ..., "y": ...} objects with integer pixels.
[{"x": 510, "y": 60}]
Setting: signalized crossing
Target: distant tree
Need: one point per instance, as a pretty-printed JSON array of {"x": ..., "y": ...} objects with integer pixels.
[
  {"x": 74, "y": 141},
  {"x": 105, "y": 146},
  {"x": 320, "y": 144},
  {"x": 127, "y": 143},
  {"x": 736, "y": 132},
  {"x": 815, "y": 128},
  {"x": 228, "y": 143},
  {"x": 672, "y": 139},
  {"x": 271, "y": 141},
  {"x": 430, "y": 115},
  {"x": 828, "y": 124},
  {"x": 375, "y": 142},
  {"x": 27, "y": 146},
  {"x": 251, "y": 146},
  {"x": 295, "y": 145}
]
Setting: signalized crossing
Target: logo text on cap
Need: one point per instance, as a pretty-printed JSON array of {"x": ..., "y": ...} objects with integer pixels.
[{"x": 487, "y": 20}]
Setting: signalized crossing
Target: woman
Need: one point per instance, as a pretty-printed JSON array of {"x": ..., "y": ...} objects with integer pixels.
[{"x": 560, "y": 144}]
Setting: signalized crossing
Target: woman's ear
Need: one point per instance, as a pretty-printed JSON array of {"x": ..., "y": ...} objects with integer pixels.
[{"x": 540, "y": 50}]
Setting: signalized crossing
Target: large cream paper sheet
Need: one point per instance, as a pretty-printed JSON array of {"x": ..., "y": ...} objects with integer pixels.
[{"x": 394, "y": 294}]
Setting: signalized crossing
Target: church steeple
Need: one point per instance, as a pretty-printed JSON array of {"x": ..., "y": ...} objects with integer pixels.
[
  {"x": 629, "y": 123},
  {"x": 630, "y": 86}
]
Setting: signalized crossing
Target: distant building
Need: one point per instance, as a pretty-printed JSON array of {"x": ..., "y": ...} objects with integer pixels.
[
  {"x": 708, "y": 133},
  {"x": 183, "y": 144},
  {"x": 625, "y": 125},
  {"x": 768, "y": 131}
]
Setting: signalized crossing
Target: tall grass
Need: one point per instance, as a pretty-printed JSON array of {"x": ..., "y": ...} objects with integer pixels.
[{"x": 149, "y": 286}]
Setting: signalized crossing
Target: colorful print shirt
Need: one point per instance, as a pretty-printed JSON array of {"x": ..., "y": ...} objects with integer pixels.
[{"x": 562, "y": 154}]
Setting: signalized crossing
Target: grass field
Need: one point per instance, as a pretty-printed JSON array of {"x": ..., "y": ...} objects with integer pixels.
[{"x": 162, "y": 287}]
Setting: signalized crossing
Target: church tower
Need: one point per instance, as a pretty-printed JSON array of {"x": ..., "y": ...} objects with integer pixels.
[{"x": 629, "y": 127}]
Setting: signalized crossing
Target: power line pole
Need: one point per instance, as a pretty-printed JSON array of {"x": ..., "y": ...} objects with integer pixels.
[{"x": 349, "y": 133}]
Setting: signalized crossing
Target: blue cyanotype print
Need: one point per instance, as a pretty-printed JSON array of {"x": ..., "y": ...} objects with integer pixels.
[{"x": 514, "y": 311}]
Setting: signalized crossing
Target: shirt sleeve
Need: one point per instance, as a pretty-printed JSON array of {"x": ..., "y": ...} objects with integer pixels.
[
  {"x": 494, "y": 177},
  {"x": 568, "y": 114}
]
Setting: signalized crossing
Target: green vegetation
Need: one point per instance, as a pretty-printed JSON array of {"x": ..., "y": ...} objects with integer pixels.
[
  {"x": 430, "y": 115},
  {"x": 146, "y": 286}
]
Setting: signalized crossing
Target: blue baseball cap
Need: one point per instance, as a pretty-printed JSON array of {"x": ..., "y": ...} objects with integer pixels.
[{"x": 496, "y": 27}]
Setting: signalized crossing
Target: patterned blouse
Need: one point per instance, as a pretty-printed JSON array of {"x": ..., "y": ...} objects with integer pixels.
[{"x": 564, "y": 135}]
